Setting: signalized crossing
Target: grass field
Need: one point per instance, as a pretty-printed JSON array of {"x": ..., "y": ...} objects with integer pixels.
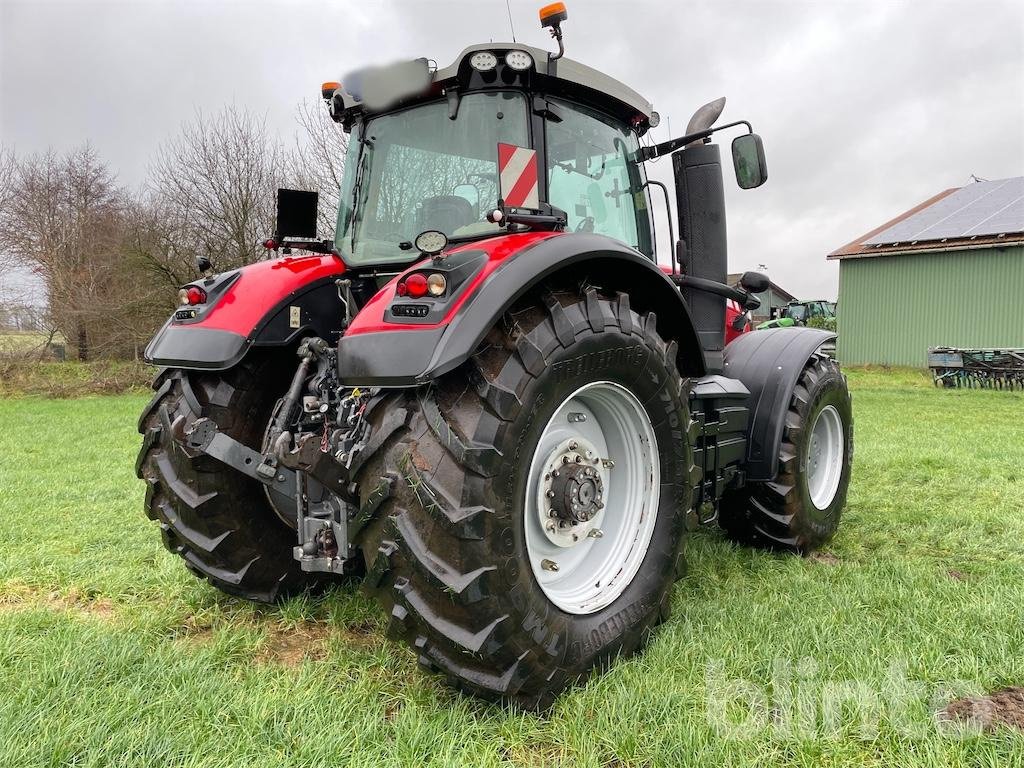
[
  {"x": 112, "y": 654},
  {"x": 21, "y": 342}
]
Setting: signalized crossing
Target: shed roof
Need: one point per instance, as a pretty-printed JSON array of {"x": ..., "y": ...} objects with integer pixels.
[{"x": 978, "y": 215}]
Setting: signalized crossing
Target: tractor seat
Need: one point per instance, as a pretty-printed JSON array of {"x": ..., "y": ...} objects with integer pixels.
[{"x": 446, "y": 213}]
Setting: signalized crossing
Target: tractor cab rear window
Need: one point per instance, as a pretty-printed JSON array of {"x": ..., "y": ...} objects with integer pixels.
[
  {"x": 592, "y": 176},
  {"x": 414, "y": 170}
]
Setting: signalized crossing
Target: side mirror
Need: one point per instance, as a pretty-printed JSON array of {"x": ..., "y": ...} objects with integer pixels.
[
  {"x": 296, "y": 214},
  {"x": 754, "y": 282},
  {"x": 748, "y": 160}
]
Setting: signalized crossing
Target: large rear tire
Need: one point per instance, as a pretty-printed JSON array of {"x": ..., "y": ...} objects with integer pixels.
[
  {"x": 453, "y": 553},
  {"x": 217, "y": 520},
  {"x": 799, "y": 511}
]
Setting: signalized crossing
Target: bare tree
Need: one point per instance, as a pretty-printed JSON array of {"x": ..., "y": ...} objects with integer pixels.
[
  {"x": 318, "y": 161},
  {"x": 214, "y": 186},
  {"x": 62, "y": 220}
]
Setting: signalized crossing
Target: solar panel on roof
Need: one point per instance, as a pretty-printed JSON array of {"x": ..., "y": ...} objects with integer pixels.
[{"x": 982, "y": 208}]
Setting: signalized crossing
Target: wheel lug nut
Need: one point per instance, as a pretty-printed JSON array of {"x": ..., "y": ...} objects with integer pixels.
[
  {"x": 578, "y": 459},
  {"x": 550, "y": 494},
  {"x": 565, "y": 459},
  {"x": 549, "y": 565},
  {"x": 573, "y": 445}
]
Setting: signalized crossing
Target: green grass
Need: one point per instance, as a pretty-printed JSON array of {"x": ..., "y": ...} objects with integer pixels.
[{"x": 112, "y": 654}]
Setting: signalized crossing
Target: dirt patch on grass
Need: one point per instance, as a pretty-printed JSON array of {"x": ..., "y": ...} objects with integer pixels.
[
  {"x": 956, "y": 575},
  {"x": 826, "y": 558},
  {"x": 25, "y": 598},
  {"x": 1003, "y": 708},
  {"x": 289, "y": 646},
  {"x": 534, "y": 755},
  {"x": 286, "y": 645}
]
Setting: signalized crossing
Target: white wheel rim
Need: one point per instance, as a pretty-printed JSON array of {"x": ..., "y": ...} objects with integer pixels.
[
  {"x": 825, "y": 457},
  {"x": 583, "y": 565}
]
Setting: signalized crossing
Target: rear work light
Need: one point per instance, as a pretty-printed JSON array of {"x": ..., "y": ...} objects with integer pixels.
[
  {"x": 519, "y": 60},
  {"x": 192, "y": 295},
  {"x": 483, "y": 61}
]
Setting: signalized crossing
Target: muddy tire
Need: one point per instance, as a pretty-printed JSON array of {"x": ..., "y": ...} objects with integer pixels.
[
  {"x": 216, "y": 519},
  {"x": 449, "y": 552},
  {"x": 799, "y": 511}
]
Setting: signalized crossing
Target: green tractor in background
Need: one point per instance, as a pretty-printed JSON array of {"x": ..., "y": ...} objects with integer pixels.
[{"x": 813, "y": 314}]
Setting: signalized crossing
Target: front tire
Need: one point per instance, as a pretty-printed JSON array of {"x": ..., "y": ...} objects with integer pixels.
[
  {"x": 453, "y": 555},
  {"x": 217, "y": 520},
  {"x": 800, "y": 510}
]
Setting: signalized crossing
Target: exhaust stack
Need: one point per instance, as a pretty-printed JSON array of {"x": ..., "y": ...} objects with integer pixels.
[{"x": 702, "y": 250}]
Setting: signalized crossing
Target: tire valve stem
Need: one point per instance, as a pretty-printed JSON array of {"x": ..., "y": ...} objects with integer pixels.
[
  {"x": 595, "y": 533},
  {"x": 549, "y": 565},
  {"x": 607, "y": 463}
]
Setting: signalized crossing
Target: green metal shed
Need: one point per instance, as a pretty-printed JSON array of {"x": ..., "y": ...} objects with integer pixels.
[{"x": 949, "y": 272}]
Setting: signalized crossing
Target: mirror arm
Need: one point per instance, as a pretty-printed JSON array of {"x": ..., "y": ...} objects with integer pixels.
[
  {"x": 657, "y": 150},
  {"x": 744, "y": 299}
]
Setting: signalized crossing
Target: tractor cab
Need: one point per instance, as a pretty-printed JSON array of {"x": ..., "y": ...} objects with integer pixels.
[{"x": 423, "y": 151}]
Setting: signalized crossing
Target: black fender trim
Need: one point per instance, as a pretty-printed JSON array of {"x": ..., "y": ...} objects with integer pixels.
[
  {"x": 388, "y": 358},
  {"x": 769, "y": 362},
  {"x": 193, "y": 346}
]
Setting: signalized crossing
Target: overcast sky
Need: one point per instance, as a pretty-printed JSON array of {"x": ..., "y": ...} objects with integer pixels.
[{"x": 866, "y": 108}]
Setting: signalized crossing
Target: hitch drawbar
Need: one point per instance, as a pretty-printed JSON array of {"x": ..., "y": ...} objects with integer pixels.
[{"x": 322, "y": 526}]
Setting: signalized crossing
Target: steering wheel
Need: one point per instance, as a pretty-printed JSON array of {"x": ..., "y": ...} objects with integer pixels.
[{"x": 586, "y": 224}]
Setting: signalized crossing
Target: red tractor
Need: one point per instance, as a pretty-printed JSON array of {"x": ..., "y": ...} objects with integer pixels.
[{"x": 483, "y": 397}]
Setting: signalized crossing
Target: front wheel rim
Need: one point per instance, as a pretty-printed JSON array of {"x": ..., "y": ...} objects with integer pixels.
[
  {"x": 825, "y": 457},
  {"x": 592, "y": 497}
]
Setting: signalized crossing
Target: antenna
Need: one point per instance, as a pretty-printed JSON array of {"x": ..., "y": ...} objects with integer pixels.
[{"x": 510, "y": 24}]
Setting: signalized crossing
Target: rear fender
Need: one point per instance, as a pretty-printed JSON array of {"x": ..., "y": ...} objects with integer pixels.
[
  {"x": 270, "y": 303},
  {"x": 376, "y": 351},
  {"x": 769, "y": 363}
]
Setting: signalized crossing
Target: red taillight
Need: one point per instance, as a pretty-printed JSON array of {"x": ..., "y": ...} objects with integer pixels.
[
  {"x": 192, "y": 295},
  {"x": 415, "y": 285}
]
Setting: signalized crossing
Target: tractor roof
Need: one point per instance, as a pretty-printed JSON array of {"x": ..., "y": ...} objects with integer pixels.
[{"x": 560, "y": 77}]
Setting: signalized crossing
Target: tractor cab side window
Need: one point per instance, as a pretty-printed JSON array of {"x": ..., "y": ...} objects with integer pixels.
[{"x": 593, "y": 178}]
